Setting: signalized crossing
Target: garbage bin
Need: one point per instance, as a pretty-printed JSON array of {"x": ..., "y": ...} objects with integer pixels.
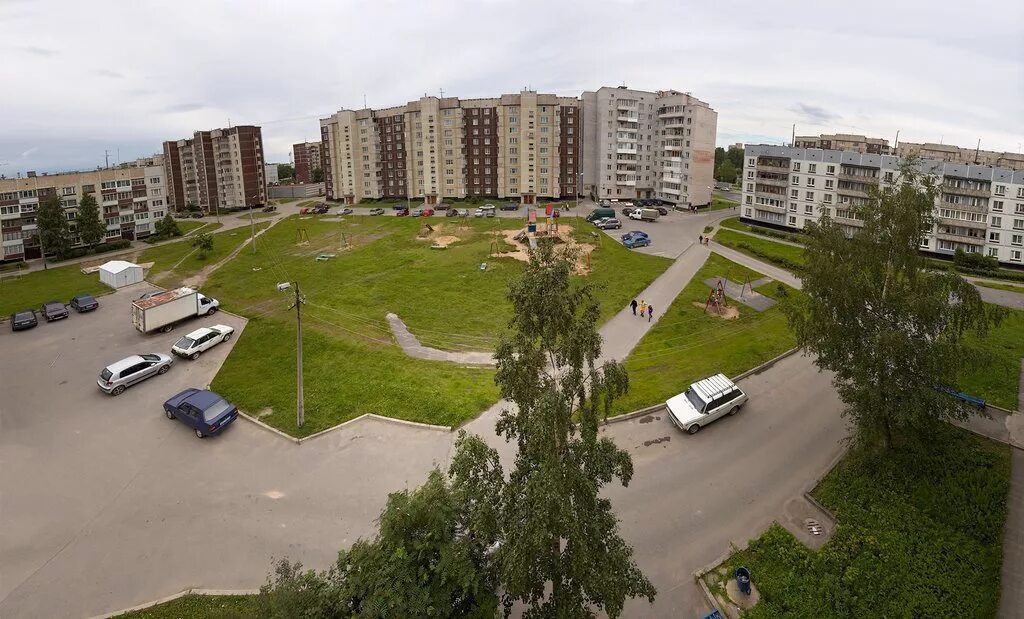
[{"x": 743, "y": 580}]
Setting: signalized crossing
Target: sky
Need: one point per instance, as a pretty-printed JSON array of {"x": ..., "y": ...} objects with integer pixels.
[{"x": 81, "y": 78}]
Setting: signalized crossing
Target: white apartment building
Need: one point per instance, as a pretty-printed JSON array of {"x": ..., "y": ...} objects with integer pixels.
[
  {"x": 979, "y": 209},
  {"x": 640, "y": 144},
  {"x": 131, "y": 198}
]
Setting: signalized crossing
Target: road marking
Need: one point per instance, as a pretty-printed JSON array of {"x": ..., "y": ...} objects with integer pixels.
[
  {"x": 55, "y": 359},
  {"x": 273, "y": 494}
]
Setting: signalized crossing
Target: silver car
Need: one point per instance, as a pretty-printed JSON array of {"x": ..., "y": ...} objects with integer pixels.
[{"x": 117, "y": 377}]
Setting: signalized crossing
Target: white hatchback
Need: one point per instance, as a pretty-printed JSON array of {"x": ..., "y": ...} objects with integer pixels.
[
  {"x": 200, "y": 340},
  {"x": 705, "y": 401}
]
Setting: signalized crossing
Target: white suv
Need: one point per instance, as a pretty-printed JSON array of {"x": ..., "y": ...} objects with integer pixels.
[{"x": 705, "y": 401}]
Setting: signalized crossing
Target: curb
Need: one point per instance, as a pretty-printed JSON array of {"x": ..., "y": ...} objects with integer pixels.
[
  {"x": 175, "y": 596},
  {"x": 633, "y": 415},
  {"x": 764, "y": 366},
  {"x": 299, "y": 441},
  {"x": 699, "y": 573}
]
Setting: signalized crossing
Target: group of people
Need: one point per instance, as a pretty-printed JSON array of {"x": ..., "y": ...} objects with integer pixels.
[
  {"x": 703, "y": 240},
  {"x": 644, "y": 309}
]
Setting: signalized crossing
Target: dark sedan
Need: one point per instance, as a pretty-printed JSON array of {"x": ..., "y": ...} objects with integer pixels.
[
  {"x": 23, "y": 320},
  {"x": 510, "y": 206},
  {"x": 84, "y": 303},
  {"x": 401, "y": 212},
  {"x": 54, "y": 310},
  {"x": 204, "y": 411}
]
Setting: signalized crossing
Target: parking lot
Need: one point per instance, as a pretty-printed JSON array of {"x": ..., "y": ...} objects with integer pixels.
[{"x": 670, "y": 234}]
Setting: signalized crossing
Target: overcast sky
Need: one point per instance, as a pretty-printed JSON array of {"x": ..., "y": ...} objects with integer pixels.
[{"x": 80, "y": 77}]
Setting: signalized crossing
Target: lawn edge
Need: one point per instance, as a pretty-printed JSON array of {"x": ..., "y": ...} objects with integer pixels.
[{"x": 175, "y": 596}]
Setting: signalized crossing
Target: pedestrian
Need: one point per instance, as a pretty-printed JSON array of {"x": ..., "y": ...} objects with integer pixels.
[
  {"x": 650, "y": 312},
  {"x": 643, "y": 307},
  {"x": 633, "y": 305},
  {"x": 700, "y": 239}
]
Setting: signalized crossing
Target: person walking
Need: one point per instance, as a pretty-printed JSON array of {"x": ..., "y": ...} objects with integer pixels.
[
  {"x": 643, "y": 307},
  {"x": 700, "y": 239},
  {"x": 633, "y": 305},
  {"x": 650, "y": 312}
]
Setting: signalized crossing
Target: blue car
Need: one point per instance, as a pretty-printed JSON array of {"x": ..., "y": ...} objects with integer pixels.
[
  {"x": 633, "y": 240},
  {"x": 204, "y": 411},
  {"x": 634, "y": 233}
]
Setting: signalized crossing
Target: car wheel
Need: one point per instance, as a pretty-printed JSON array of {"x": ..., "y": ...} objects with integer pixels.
[
  {"x": 194, "y": 355},
  {"x": 199, "y": 433},
  {"x": 163, "y": 369},
  {"x": 735, "y": 409},
  {"x": 213, "y": 310},
  {"x": 118, "y": 390},
  {"x": 695, "y": 428},
  {"x": 166, "y": 328},
  {"x": 227, "y": 337},
  {"x": 169, "y": 414}
]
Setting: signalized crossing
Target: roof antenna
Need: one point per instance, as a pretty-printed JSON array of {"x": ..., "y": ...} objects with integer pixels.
[{"x": 364, "y": 100}]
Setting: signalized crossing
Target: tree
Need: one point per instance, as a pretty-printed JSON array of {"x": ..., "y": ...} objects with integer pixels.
[
  {"x": 204, "y": 243},
  {"x": 52, "y": 223},
  {"x": 561, "y": 553},
  {"x": 719, "y": 156},
  {"x": 91, "y": 228},
  {"x": 168, "y": 227},
  {"x": 726, "y": 172},
  {"x": 285, "y": 170},
  {"x": 891, "y": 330},
  {"x": 318, "y": 175},
  {"x": 735, "y": 155}
]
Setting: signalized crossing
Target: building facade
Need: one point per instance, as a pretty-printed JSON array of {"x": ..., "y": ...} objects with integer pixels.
[
  {"x": 131, "y": 198},
  {"x": 978, "y": 209},
  {"x": 844, "y": 142},
  {"x": 640, "y": 144},
  {"x": 955, "y": 154},
  {"x": 523, "y": 146},
  {"x": 221, "y": 168},
  {"x": 307, "y": 157},
  {"x": 270, "y": 173}
]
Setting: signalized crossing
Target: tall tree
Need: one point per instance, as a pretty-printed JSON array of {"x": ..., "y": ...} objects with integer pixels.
[
  {"x": 561, "y": 552},
  {"x": 890, "y": 330},
  {"x": 735, "y": 155},
  {"x": 719, "y": 156},
  {"x": 52, "y": 223},
  {"x": 285, "y": 170},
  {"x": 91, "y": 228},
  {"x": 726, "y": 172},
  {"x": 318, "y": 175},
  {"x": 167, "y": 227}
]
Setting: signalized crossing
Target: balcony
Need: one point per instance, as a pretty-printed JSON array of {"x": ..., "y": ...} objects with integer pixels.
[
  {"x": 775, "y": 168},
  {"x": 857, "y": 178},
  {"x": 781, "y": 208},
  {"x": 625, "y": 183},
  {"x": 976, "y": 225},
  {"x": 776, "y": 182},
  {"x": 674, "y": 147},
  {"x": 626, "y": 118},
  {"x": 675, "y": 114},
  {"x": 769, "y": 190},
  {"x": 671, "y": 190},
  {"x": 855, "y": 193},
  {"x": 622, "y": 150},
  {"x": 964, "y": 191},
  {"x": 675, "y": 123},
  {"x": 961, "y": 238}
]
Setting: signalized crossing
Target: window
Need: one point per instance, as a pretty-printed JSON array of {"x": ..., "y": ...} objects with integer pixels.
[
  {"x": 830, "y": 169},
  {"x": 809, "y": 195},
  {"x": 829, "y": 183},
  {"x": 1015, "y": 255},
  {"x": 993, "y": 252},
  {"x": 795, "y": 180},
  {"x": 808, "y": 209},
  {"x": 792, "y": 220},
  {"x": 997, "y": 206},
  {"x": 997, "y": 222},
  {"x": 1018, "y": 224},
  {"x": 1019, "y": 209},
  {"x": 812, "y": 168},
  {"x": 796, "y": 166},
  {"x": 888, "y": 177},
  {"x": 810, "y": 181},
  {"x": 1000, "y": 190},
  {"x": 1017, "y": 239},
  {"x": 993, "y": 237},
  {"x": 794, "y": 193}
]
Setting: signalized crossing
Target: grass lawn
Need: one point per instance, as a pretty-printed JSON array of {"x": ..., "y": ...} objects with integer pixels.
[
  {"x": 256, "y": 215},
  {"x": 31, "y": 290},
  {"x": 919, "y": 535},
  {"x": 779, "y": 254},
  {"x": 718, "y": 204},
  {"x": 999, "y": 286},
  {"x": 199, "y": 606},
  {"x": 186, "y": 225},
  {"x": 175, "y": 262},
  {"x": 686, "y": 344},
  {"x": 442, "y": 295},
  {"x": 998, "y": 380}
]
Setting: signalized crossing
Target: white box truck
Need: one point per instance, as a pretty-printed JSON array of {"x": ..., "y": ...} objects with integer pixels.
[
  {"x": 645, "y": 214},
  {"x": 161, "y": 311}
]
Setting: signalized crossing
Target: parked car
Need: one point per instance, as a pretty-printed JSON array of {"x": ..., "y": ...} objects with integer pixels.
[
  {"x": 84, "y": 303},
  {"x": 486, "y": 210},
  {"x": 22, "y": 320},
  {"x": 627, "y": 211},
  {"x": 661, "y": 210},
  {"x": 510, "y": 206},
  {"x": 197, "y": 215},
  {"x": 204, "y": 411},
  {"x": 427, "y": 212},
  {"x": 270, "y": 208},
  {"x": 609, "y": 224},
  {"x": 637, "y": 241},
  {"x": 634, "y": 233},
  {"x": 705, "y": 401},
  {"x": 442, "y": 207},
  {"x": 319, "y": 210},
  {"x": 644, "y": 214},
  {"x": 416, "y": 213},
  {"x": 600, "y": 213},
  {"x": 118, "y": 376},
  {"x": 201, "y": 340},
  {"x": 346, "y": 211},
  {"x": 54, "y": 310},
  {"x": 376, "y": 211},
  {"x": 452, "y": 212},
  {"x": 464, "y": 212},
  {"x": 401, "y": 212}
]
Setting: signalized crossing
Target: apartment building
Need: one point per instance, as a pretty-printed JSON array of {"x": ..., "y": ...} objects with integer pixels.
[
  {"x": 131, "y": 198},
  {"x": 221, "y": 168},
  {"x": 640, "y": 144},
  {"x": 978, "y": 209},
  {"x": 270, "y": 173},
  {"x": 307, "y": 157},
  {"x": 955, "y": 154},
  {"x": 844, "y": 142},
  {"x": 520, "y": 146}
]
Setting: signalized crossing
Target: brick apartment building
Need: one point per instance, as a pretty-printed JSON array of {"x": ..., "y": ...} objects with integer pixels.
[
  {"x": 307, "y": 157},
  {"x": 131, "y": 198},
  {"x": 221, "y": 168}
]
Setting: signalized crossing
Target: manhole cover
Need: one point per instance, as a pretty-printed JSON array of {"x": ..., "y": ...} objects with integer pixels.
[{"x": 813, "y": 526}]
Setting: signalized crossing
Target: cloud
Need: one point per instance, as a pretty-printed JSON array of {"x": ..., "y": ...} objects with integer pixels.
[
  {"x": 109, "y": 73},
  {"x": 28, "y": 153},
  {"x": 182, "y": 107},
  {"x": 814, "y": 114},
  {"x": 38, "y": 51}
]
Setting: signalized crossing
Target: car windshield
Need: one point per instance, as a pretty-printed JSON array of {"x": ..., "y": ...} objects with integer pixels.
[
  {"x": 150, "y": 357},
  {"x": 85, "y": 299},
  {"x": 23, "y": 316},
  {"x": 185, "y": 342},
  {"x": 694, "y": 399},
  {"x": 106, "y": 374},
  {"x": 216, "y": 410}
]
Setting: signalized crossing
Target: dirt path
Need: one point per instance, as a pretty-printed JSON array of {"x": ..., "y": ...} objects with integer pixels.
[{"x": 200, "y": 278}]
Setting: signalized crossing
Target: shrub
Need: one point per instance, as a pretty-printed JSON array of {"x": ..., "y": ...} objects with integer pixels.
[
  {"x": 975, "y": 262},
  {"x": 78, "y": 252}
]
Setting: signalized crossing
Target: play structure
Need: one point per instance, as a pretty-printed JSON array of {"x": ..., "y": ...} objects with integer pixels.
[{"x": 717, "y": 300}]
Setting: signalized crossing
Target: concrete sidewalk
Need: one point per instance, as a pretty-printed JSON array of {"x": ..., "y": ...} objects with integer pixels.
[
  {"x": 770, "y": 270},
  {"x": 1011, "y": 597}
]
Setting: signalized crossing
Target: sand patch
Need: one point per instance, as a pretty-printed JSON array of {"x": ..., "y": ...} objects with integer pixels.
[
  {"x": 728, "y": 312},
  {"x": 563, "y": 242},
  {"x": 440, "y": 235}
]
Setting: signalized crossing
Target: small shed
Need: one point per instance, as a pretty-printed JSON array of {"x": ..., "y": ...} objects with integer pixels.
[{"x": 120, "y": 273}]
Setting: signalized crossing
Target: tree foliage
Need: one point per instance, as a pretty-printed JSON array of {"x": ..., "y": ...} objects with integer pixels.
[
  {"x": 891, "y": 330},
  {"x": 318, "y": 175},
  {"x": 168, "y": 227},
  {"x": 726, "y": 172},
  {"x": 285, "y": 170},
  {"x": 728, "y": 164},
  {"x": 52, "y": 223},
  {"x": 204, "y": 243},
  {"x": 91, "y": 227}
]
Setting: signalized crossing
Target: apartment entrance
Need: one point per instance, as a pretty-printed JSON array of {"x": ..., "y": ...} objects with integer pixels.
[
  {"x": 529, "y": 198},
  {"x": 430, "y": 199}
]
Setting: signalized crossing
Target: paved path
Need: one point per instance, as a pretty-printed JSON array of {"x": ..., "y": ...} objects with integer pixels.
[
  {"x": 412, "y": 347},
  {"x": 1011, "y": 597},
  {"x": 770, "y": 270}
]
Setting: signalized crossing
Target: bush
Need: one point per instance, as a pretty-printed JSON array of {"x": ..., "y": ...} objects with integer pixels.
[
  {"x": 975, "y": 262},
  {"x": 78, "y": 252}
]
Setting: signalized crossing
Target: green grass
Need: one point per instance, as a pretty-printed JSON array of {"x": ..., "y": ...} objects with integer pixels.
[
  {"x": 999, "y": 286},
  {"x": 686, "y": 344},
  {"x": 31, "y": 290},
  {"x": 734, "y": 223},
  {"x": 718, "y": 204},
  {"x": 784, "y": 256},
  {"x": 919, "y": 535},
  {"x": 187, "y": 226},
  {"x": 175, "y": 262},
  {"x": 199, "y": 607},
  {"x": 351, "y": 364},
  {"x": 998, "y": 380}
]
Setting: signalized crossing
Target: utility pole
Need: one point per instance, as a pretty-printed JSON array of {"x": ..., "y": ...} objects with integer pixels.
[
  {"x": 300, "y": 414},
  {"x": 252, "y": 224}
]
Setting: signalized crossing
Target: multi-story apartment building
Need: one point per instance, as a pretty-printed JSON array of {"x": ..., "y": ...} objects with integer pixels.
[
  {"x": 978, "y": 209},
  {"x": 955, "y": 154},
  {"x": 520, "y": 146},
  {"x": 845, "y": 142},
  {"x": 307, "y": 157},
  {"x": 270, "y": 173},
  {"x": 131, "y": 198},
  {"x": 221, "y": 168},
  {"x": 640, "y": 144}
]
